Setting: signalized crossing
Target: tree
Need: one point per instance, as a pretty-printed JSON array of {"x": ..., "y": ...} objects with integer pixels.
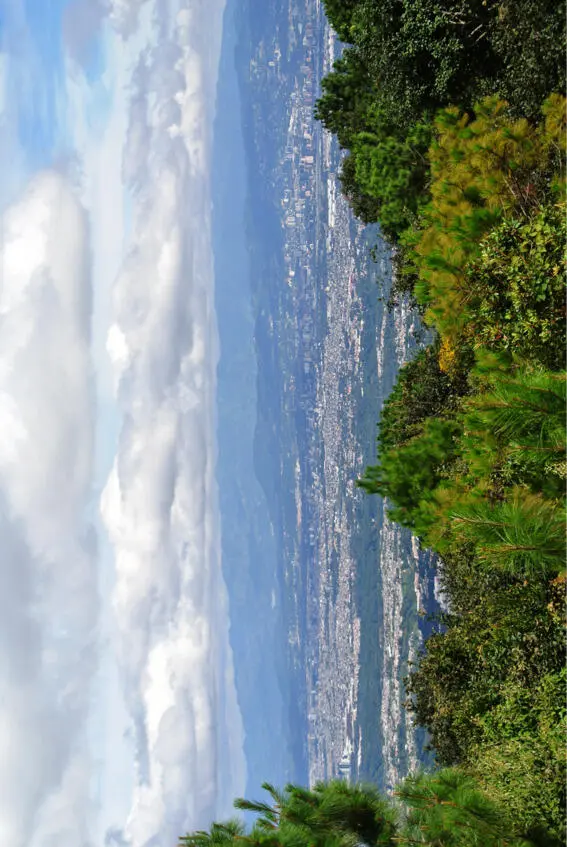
[
  {"x": 220, "y": 835},
  {"x": 347, "y": 96},
  {"x": 524, "y": 534},
  {"x": 515, "y": 426},
  {"x": 392, "y": 167},
  {"x": 528, "y": 38},
  {"x": 490, "y": 688},
  {"x": 444, "y": 809},
  {"x": 424, "y": 54},
  {"x": 423, "y": 390},
  {"x": 340, "y": 14},
  {"x": 409, "y": 475},
  {"x": 516, "y": 287},
  {"x": 364, "y": 206},
  {"x": 427, "y": 54},
  {"x": 508, "y": 500},
  {"x": 482, "y": 171},
  {"x": 332, "y": 814},
  {"x": 447, "y": 809}
]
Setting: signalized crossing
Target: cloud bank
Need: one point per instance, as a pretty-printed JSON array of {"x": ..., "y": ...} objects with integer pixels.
[
  {"x": 160, "y": 504},
  {"x": 48, "y": 592}
]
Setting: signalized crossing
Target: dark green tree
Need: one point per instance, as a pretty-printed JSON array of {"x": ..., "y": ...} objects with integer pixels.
[
  {"x": 490, "y": 688},
  {"x": 364, "y": 206},
  {"x": 447, "y": 809},
  {"x": 392, "y": 167},
  {"x": 422, "y": 391},
  {"x": 340, "y": 14},
  {"x": 409, "y": 475},
  {"x": 347, "y": 96},
  {"x": 444, "y": 809},
  {"x": 425, "y": 54}
]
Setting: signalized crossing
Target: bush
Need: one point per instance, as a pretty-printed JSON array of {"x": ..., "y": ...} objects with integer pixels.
[
  {"x": 494, "y": 674},
  {"x": 422, "y": 391},
  {"x": 483, "y": 171},
  {"x": 516, "y": 288}
]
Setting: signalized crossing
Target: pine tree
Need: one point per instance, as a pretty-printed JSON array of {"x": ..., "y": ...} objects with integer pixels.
[
  {"x": 446, "y": 809},
  {"x": 227, "y": 834},
  {"x": 347, "y": 95},
  {"x": 482, "y": 171},
  {"x": 408, "y": 475},
  {"x": 521, "y": 417},
  {"x": 525, "y": 534}
]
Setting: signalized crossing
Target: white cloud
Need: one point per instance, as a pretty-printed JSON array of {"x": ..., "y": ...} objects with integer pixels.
[
  {"x": 123, "y": 15},
  {"x": 160, "y": 504},
  {"x": 48, "y": 595}
]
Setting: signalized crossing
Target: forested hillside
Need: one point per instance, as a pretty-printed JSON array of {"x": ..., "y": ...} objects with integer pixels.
[
  {"x": 453, "y": 118},
  {"x": 452, "y": 115}
]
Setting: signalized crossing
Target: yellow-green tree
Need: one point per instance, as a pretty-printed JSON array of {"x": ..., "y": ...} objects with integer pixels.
[{"x": 483, "y": 170}]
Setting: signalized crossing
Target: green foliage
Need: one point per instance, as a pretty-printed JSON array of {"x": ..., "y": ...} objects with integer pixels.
[
  {"x": 425, "y": 53},
  {"x": 405, "y": 275},
  {"x": 528, "y": 38},
  {"x": 409, "y": 58},
  {"x": 451, "y": 151},
  {"x": 340, "y": 14},
  {"x": 332, "y": 813},
  {"x": 448, "y": 481},
  {"x": 364, "y": 206},
  {"x": 422, "y": 391},
  {"x": 487, "y": 469},
  {"x": 522, "y": 761},
  {"x": 523, "y": 534},
  {"x": 504, "y": 631},
  {"x": 428, "y": 53},
  {"x": 515, "y": 427},
  {"x": 347, "y": 97},
  {"x": 220, "y": 835},
  {"x": 409, "y": 474},
  {"x": 388, "y": 164},
  {"x": 490, "y": 688},
  {"x": 447, "y": 809},
  {"x": 516, "y": 288},
  {"x": 392, "y": 167},
  {"x": 482, "y": 171},
  {"x": 444, "y": 809}
]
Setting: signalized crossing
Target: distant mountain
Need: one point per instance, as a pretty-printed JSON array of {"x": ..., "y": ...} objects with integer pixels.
[
  {"x": 248, "y": 543},
  {"x": 309, "y": 352}
]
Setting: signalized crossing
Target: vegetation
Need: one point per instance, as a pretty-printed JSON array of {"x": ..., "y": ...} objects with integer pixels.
[
  {"x": 471, "y": 453},
  {"x": 453, "y": 118},
  {"x": 445, "y": 809},
  {"x": 483, "y": 172},
  {"x": 517, "y": 286},
  {"x": 405, "y": 61}
]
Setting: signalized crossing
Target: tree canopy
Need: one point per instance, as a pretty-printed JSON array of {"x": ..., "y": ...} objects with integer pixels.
[
  {"x": 453, "y": 116},
  {"x": 444, "y": 809}
]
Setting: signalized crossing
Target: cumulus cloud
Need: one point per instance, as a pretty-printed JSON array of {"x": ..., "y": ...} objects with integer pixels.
[
  {"x": 48, "y": 596},
  {"x": 82, "y": 20},
  {"x": 124, "y": 14},
  {"x": 160, "y": 504}
]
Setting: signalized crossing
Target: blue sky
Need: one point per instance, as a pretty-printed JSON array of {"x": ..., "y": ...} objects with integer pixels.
[
  {"x": 31, "y": 36},
  {"x": 116, "y": 639}
]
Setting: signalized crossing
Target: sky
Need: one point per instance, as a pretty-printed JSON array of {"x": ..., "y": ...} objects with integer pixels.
[{"x": 119, "y": 719}]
